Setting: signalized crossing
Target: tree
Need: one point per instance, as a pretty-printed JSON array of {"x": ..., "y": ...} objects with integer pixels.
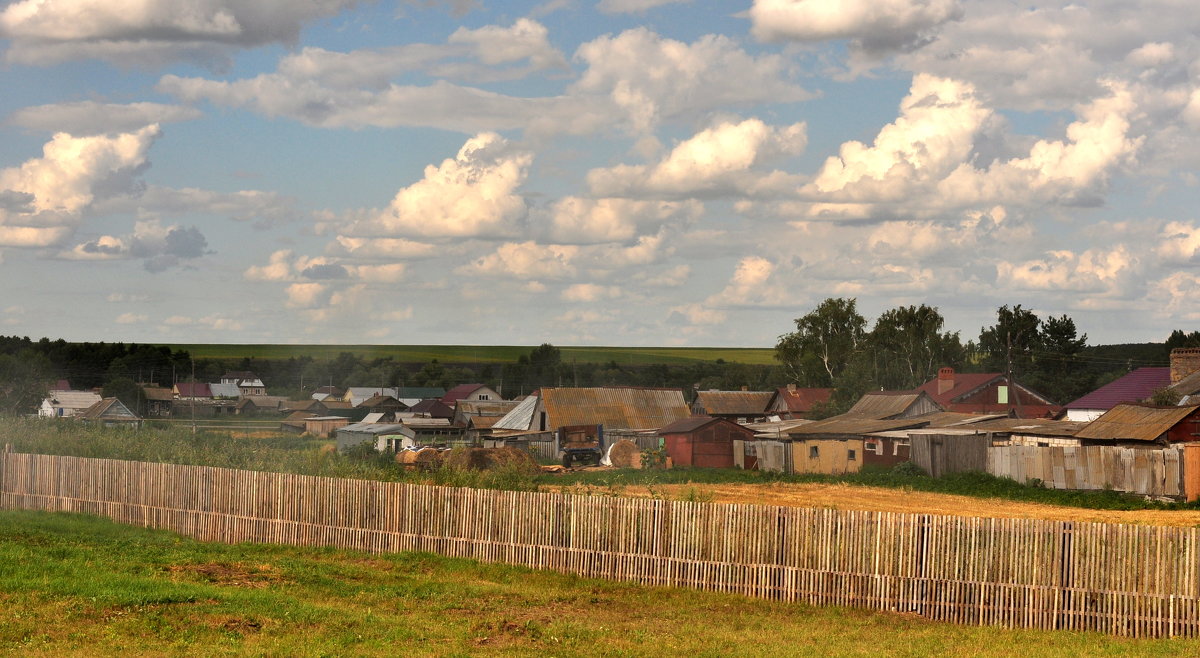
[
  {"x": 128, "y": 392},
  {"x": 909, "y": 346},
  {"x": 824, "y": 342},
  {"x": 1012, "y": 341},
  {"x": 25, "y": 378}
]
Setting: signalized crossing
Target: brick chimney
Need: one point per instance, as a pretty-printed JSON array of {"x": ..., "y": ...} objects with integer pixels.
[
  {"x": 945, "y": 380},
  {"x": 1184, "y": 361}
]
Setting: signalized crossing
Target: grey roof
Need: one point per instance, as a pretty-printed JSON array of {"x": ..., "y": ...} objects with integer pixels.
[
  {"x": 521, "y": 417},
  {"x": 220, "y": 390},
  {"x": 884, "y": 404},
  {"x": 372, "y": 428},
  {"x": 729, "y": 403},
  {"x": 74, "y": 399}
]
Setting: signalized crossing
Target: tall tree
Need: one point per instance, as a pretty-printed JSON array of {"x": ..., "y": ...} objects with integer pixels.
[
  {"x": 824, "y": 343},
  {"x": 909, "y": 346},
  {"x": 25, "y": 378},
  {"x": 1013, "y": 340}
]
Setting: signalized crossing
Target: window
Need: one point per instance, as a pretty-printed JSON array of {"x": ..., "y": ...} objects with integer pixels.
[
  {"x": 851, "y": 455},
  {"x": 812, "y": 452},
  {"x": 1002, "y": 394},
  {"x": 484, "y": 396}
]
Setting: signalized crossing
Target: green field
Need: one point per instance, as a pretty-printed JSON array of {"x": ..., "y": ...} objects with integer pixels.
[
  {"x": 486, "y": 353},
  {"x": 75, "y": 585}
]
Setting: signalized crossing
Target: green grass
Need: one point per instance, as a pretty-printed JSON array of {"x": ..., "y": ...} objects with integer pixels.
[
  {"x": 74, "y": 585},
  {"x": 450, "y": 354}
]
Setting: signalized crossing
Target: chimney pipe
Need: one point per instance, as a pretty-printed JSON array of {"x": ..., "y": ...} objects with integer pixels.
[{"x": 945, "y": 380}]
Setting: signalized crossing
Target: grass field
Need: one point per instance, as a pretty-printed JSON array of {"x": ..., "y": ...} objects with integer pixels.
[
  {"x": 73, "y": 585},
  {"x": 486, "y": 353}
]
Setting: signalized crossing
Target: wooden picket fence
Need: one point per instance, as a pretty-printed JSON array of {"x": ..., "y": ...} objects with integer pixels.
[{"x": 1139, "y": 581}]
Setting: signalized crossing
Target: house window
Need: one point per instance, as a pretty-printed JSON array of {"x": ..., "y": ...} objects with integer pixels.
[
  {"x": 1002, "y": 394},
  {"x": 851, "y": 455},
  {"x": 484, "y": 396},
  {"x": 812, "y": 452},
  {"x": 875, "y": 447},
  {"x": 896, "y": 447}
]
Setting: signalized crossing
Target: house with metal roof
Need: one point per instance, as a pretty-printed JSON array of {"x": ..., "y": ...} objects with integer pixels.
[
  {"x": 65, "y": 404},
  {"x": 1144, "y": 424},
  {"x": 886, "y": 405},
  {"x": 192, "y": 391},
  {"x": 986, "y": 393},
  {"x": 465, "y": 410},
  {"x": 469, "y": 392},
  {"x": 110, "y": 412},
  {"x": 792, "y": 402},
  {"x": 1135, "y": 386},
  {"x": 738, "y": 406}
]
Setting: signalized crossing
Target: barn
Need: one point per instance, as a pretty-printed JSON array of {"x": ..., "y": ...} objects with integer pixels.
[{"x": 703, "y": 442}]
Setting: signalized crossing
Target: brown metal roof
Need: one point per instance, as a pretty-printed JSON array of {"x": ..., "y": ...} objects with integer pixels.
[
  {"x": 955, "y": 419},
  {"x": 882, "y": 404},
  {"x": 852, "y": 426},
  {"x": 734, "y": 403},
  {"x": 614, "y": 408},
  {"x": 1135, "y": 422},
  {"x": 1030, "y": 426}
]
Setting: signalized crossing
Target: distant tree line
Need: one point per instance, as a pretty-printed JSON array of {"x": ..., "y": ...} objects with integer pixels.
[{"x": 835, "y": 346}]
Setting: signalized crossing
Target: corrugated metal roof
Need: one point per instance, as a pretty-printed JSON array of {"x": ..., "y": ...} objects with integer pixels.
[
  {"x": 734, "y": 403},
  {"x": 485, "y": 407},
  {"x": 373, "y": 418},
  {"x": 776, "y": 429},
  {"x": 954, "y": 418},
  {"x": 220, "y": 390},
  {"x": 459, "y": 392},
  {"x": 74, "y": 399},
  {"x": 193, "y": 390},
  {"x": 427, "y": 422},
  {"x": 1031, "y": 426},
  {"x": 614, "y": 408},
  {"x": 883, "y": 404},
  {"x": 684, "y": 425},
  {"x": 1132, "y": 387},
  {"x": 158, "y": 393},
  {"x": 483, "y": 422},
  {"x": 521, "y": 416},
  {"x": 852, "y": 426},
  {"x": 108, "y": 408},
  {"x": 1135, "y": 422},
  {"x": 372, "y": 428},
  {"x": 1189, "y": 385}
]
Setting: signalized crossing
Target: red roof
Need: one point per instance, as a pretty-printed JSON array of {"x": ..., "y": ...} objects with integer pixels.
[
  {"x": 802, "y": 400},
  {"x": 962, "y": 384},
  {"x": 689, "y": 425},
  {"x": 434, "y": 408},
  {"x": 1133, "y": 387},
  {"x": 193, "y": 390},
  {"x": 459, "y": 392}
]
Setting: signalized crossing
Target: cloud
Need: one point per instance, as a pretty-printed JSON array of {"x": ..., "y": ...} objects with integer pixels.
[
  {"x": 632, "y": 6},
  {"x": 306, "y": 295},
  {"x": 717, "y": 160},
  {"x": 263, "y": 208},
  {"x": 873, "y": 25},
  {"x": 472, "y": 195},
  {"x": 325, "y": 271},
  {"x": 925, "y": 162},
  {"x": 648, "y": 78},
  {"x": 160, "y": 247},
  {"x": 590, "y": 292},
  {"x": 92, "y": 118},
  {"x": 135, "y": 33},
  {"x": 278, "y": 268},
  {"x": 387, "y": 248},
  {"x": 132, "y": 318},
  {"x": 46, "y": 196},
  {"x": 1096, "y": 271},
  {"x": 525, "y": 260},
  {"x": 576, "y": 220}
]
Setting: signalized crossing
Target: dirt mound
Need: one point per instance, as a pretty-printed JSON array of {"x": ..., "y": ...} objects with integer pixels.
[
  {"x": 625, "y": 454},
  {"x": 484, "y": 459}
]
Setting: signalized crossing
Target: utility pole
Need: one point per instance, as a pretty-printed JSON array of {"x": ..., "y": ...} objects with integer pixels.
[{"x": 193, "y": 397}]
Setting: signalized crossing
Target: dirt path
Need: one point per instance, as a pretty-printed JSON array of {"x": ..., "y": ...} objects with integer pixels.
[{"x": 846, "y": 496}]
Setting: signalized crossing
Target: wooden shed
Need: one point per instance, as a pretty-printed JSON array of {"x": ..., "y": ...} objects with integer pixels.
[
  {"x": 947, "y": 452},
  {"x": 703, "y": 441}
]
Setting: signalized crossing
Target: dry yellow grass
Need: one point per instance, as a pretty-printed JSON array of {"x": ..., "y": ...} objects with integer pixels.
[{"x": 847, "y": 496}]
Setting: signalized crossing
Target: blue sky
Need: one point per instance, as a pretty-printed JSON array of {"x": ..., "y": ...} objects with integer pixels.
[{"x": 626, "y": 172}]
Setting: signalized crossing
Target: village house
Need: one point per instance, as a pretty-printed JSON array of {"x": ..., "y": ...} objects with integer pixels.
[
  {"x": 432, "y": 409},
  {"x": 382, "y": 404},
  {"x": 110, "y": 412},
  {"x": 324, "y": 392},
  {"x": 985, "y": 393},
  {"x": 792, "y": 402},
  {"x": 1135, "y": 386},
  {"x": 192, "y": 391},
  {"x": 246, "y": 382},
  {"x": 465, "y": 410},
  {"x": 66, "y": 404},
  {"x": 473, "y": 392},
  {"x": 738, "y": 406}
]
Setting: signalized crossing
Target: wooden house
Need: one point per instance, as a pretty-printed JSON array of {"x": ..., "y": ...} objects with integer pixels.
[
  {"x": 792, "y": 402},
  {"x": 987, "y": 393},
  {"x": 110, "y": 412}
]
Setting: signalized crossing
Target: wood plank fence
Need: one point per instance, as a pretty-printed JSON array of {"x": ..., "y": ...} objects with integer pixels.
[
  {"x": 1143, "y": 471},
  {"x": 1141, "y": 581}
]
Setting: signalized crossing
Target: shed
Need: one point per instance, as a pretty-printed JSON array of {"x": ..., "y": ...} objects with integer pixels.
[
  {"x": 324, "y": 426},
  {"x": 1145, "y": 423},
  {"x": 703, "y": 441},
  {"x": 381, "y": 436},
  {"x": 950, "y": 452},
  {"x": 733, "y": 405}
]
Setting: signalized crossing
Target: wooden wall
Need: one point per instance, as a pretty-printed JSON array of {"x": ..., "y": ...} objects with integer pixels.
[
  {"x": 1144, "y": 471},
  {"x": 939, "y": 454},
  {"x": 833, "y": 456},
  {"x": 1139, "y": 581}
]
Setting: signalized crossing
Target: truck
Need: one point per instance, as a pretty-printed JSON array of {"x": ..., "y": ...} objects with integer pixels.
[{"x": 581, "y": 444}]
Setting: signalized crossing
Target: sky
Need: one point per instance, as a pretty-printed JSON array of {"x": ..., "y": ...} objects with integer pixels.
[{"x": 621, "y": 172}]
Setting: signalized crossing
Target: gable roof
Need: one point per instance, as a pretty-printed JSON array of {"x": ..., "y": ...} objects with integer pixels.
[
  {"x": 220, "y": 390},
  {"x": 382, "y": 400},
  {"x": 685, "y": 425},
  {"x": 800, "y": 400},
  {"x": 495, "y": 408},
  {"x": 74, "y": 399},
  {"x": 1135, "y": 422},
  {"x": 434, "y": 408},
  {"x": 734, "y": 403},
  {"x": 193, "y": 390},
  {"x": 614, "y": 407},
  {"x": 158, "y": 393},
  {"x": 885, "y": 404},
  {"x": 521, "y": 416},
  {"x": 108, "y": 408},
  {"x": 1131, "y": 387},
  {"x": 459, "y": 392}
]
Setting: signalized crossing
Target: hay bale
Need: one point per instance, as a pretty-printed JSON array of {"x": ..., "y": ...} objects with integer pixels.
[
  {"x": 425, "y": 459},
  {"x": 483, "y": 459},
  {"x": 625, "y": 454}
]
